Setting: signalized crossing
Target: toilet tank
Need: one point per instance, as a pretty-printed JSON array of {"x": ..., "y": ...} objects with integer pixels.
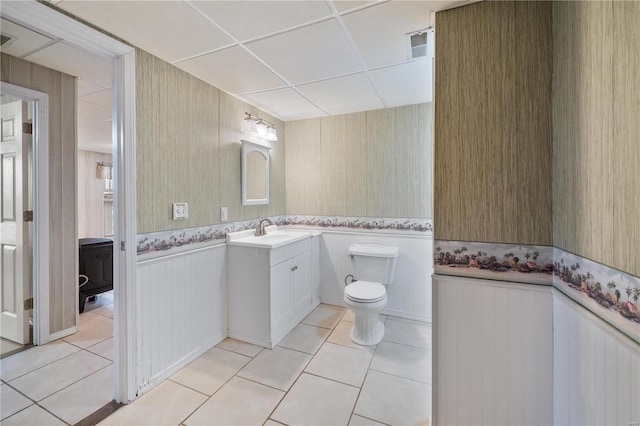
[{"x": 374, "y": 262}]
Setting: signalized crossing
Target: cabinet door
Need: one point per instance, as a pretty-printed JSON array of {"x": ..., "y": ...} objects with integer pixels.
[
  {"x": 281, "y": 297},
  {"x": 301, "y": 281}
]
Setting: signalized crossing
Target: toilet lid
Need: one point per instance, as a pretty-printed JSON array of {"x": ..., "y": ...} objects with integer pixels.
[{"x": 365, "y": 291}]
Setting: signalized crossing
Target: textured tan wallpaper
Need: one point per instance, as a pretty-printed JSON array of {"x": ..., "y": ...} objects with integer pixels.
[
  {"x": 596, "y": 131},
  {"x": 493, "y": 123},
  {"x": 188, "y": 150},
  {"x": 61, "y": 89},
  {"x": 370, "y": 164}
]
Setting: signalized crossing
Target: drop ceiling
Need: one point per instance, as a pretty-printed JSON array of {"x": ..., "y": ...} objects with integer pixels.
[{"x": 293, "y": 59}]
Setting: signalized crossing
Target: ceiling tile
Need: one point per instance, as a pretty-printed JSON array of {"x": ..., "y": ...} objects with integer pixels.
[
  {"x": 23, "y": 40},
  {"x": 311, "y": 53},
  {"x": 170, "y": 30},
  {"x": 303, "y": 115},
  {"x": 101, "y": 98},
  {"x": 279, "y": 101},
  {"x": 246, "y": 20},
  {"x": 348, "y": 92},
  {"x": 233, "y": 70},
  {"x": 91, "y": 114},
  {"x": 380, "y": 32},
  {"x": 69, "y": 60},
  {"x": 346, "y": 5},
  {"x": 406, "y": 84},
  {"x": 354, "y": 107},
  {"x": 85, "y": 87},
  {"x": 99, "y": 133}
]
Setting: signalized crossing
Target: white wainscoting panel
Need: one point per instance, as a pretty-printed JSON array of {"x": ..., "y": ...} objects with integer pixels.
[
  {"x": 493, "y": 359},
  {"x": 182, "y": 310},
  {"x": 596, "y": 369},
  {"x": 410, "y": 294}
]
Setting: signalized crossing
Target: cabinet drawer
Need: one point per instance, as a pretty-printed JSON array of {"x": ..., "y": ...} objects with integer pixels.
[{"x": 290, "y": 250}]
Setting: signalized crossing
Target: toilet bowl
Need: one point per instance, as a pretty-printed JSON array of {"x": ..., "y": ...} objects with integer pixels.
[
  {"x": 366, "y": 300},
  {"x": 374, "y": 267}
]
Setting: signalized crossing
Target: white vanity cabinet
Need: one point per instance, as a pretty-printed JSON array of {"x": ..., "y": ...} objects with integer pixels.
[{"x": 270, "y": 290}]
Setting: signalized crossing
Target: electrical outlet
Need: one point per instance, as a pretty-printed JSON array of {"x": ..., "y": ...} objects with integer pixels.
[
  {"x": 224, "y": 214},
  {"x": 180, "y": 211}
]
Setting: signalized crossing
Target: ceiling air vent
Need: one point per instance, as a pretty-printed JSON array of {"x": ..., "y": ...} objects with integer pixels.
[
  {"x": 419, "y": 45},
  {"x": 5, "y": 39}
]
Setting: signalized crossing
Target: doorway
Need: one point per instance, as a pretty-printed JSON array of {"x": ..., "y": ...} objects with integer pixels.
[{"x": 121, "y": 59}]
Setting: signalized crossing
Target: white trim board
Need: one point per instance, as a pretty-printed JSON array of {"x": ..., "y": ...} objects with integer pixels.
[{"x": 47, "y": 20}]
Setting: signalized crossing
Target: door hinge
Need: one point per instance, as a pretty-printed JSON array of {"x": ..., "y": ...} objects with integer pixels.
[
  {"x": 28, "y": 304},
  {"x": 123, "y": 246},
  {"x": 27, "y": 216},
  {"x": 27, "y": 128}
]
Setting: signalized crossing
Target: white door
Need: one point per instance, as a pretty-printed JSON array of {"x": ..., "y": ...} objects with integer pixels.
[{"x": 15, "y": 276}]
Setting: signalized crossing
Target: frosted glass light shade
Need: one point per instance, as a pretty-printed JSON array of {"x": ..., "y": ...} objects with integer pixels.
[
  {"x": 249, "y": 126},
  {"x": 272, "y": 136},
  {"x": 262, "y": 129}
]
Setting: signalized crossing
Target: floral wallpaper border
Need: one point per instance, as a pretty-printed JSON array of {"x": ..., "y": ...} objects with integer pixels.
[
  {"x": 493, "y": 257},
  {"x": 162, "y": 243},
  {"x": 610, "y": 294}
]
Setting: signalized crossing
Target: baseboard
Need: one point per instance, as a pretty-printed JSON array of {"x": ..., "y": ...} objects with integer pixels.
[
  {"x": 178, "y": 365},
  {"x": 63, "y": 333}
]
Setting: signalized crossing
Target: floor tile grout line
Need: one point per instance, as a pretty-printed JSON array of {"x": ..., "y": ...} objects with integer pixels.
[
  {"x": 363, "y": 382},
  {"x": 45, "y": 365},
  {"x": 33, "y": 402}
]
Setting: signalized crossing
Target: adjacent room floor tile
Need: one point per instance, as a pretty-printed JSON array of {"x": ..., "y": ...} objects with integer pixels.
[
  {"x": 34, "y": 358},
  {"x": 402, "y": 360},
  {"x": 394, "y": 400},
  {"x": 340, "y": 336},
  {"x": 305, "y": 338},
  {"x": 407, "y": 332},
  {"x": 278, "y": 367},
  {"x": 167, "y": 404},
  {"x": 240, "y": 347},
  {"x": 33, "y": 415},
  {"x": 239, "y": 402},
  {"x": 11, "y": 401},
  {"x": 340, "y": 363},
  {"x": 87, "y": 395},
  {"x": 316, "y": 401},
  {"x": 211, "y": 370},
  {"x": 105, "y": 311},
  {"x": 95, "y": 329},
  {"x": 49, "y": 379},
  {"x": 104, "y": 349},
  {"x": 325, "y": 316}
]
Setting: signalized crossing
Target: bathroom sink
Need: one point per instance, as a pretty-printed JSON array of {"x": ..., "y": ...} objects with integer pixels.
[{"x": 273, "y": 239}]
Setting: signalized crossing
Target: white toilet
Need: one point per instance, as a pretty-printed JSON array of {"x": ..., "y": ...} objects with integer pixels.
[{"x": 374, "y": 267}]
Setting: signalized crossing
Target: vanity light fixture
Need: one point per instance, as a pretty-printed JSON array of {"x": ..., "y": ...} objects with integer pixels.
[
  {"x": 262, "y": 129},
  {"x": 255, "y": 126},
  {"x": 272, "y": 136}
]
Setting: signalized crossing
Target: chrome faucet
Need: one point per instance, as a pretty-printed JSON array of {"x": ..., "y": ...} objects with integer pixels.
[{"x": 260, "y": 229}]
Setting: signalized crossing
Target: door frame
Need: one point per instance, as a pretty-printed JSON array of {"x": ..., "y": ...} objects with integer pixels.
[
  {"x": 47, "y": 19},
  {"x": 40, "y": 236}
]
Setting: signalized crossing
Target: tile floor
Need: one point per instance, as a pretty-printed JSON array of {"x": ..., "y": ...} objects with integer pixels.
[
  {"x": 66, "y": 380},
  {"x": 315, "y": 376}
]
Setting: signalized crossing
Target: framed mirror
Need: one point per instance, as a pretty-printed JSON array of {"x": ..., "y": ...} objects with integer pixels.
[{"x": 255, "y": 173}]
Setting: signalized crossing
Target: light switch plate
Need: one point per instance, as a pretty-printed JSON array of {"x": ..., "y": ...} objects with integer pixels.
[
  {"x": 180, "y": 211},
  {"x": 224, "y": 214}
]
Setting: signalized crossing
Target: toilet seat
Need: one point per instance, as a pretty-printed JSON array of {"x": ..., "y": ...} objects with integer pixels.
[{"x": 365, "y": 292}]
